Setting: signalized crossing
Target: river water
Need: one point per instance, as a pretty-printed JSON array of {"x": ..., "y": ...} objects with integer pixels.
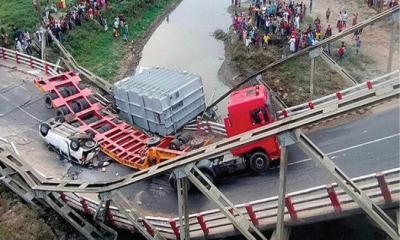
[{"x": 185, "y": 41}]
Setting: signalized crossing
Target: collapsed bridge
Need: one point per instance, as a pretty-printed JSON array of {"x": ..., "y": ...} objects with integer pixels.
[{"x": 292, "y": 119}]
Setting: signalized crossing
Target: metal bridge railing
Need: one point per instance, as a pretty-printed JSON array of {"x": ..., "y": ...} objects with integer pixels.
[
  {"x": 302, "y": 206},
  {"x": 33, "y": 62}
]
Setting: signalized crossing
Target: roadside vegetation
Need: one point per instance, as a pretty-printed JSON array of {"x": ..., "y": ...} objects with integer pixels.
[
  {"x": 98, "y": 51},
  {"x": 90, "y": 45},
  {"x": 18, "y": 13}
]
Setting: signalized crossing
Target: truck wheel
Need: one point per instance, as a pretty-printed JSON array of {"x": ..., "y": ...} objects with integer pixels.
[
  {"x": 71, "y": 90},
  {"x": 75, "y": 107},
  {"x": 62, "y": 111},
  {"x": 48, "y": 99},
  {"x": 82, "y": 103},
  {"x": 259, "y": 162},
  {"x": 64, "y": 92},
  {"x": 44, "y": 129},
  {"x": 74, "y": 145},
  {"x": 90, "y": 143},
  {"x": 175, "y": 144}
]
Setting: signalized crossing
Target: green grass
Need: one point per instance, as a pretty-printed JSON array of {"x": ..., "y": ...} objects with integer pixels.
[
  {"x": 93, "y": 48},
  {"x": 98, "y": 50},
  {"x": 19, "y": 13}
]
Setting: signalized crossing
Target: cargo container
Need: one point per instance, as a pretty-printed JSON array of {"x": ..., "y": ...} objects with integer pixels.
[{"x": 160, "y": 100}]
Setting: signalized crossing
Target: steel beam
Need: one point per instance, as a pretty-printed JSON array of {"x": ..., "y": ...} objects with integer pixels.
[
  {"x": 372, "y": 209},
  {"x": 395, "y": 20},
  {"x": 78, "y": 222},
  {"x": 340, "y": 70},
  {"x": 238, "y": 220},
  {"x": 43, "y": 48},
  {"x": 312, "y": 74},
  {"x": 281, "y": 195},
  {"x": 182, "y": 192},
  {"x": 285, "y": 234},
  {"x": 134, "y": 216}
]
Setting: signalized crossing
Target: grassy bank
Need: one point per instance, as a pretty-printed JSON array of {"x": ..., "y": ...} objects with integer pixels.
[
  {"x": 98, "y": 50},
  {"x": 92, "y": 47},
  {"x": 19, "y": 13}
]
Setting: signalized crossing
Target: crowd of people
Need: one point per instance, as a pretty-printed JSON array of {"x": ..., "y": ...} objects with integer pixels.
[
  {"x": 84, "y": 10},
  {"x": 23, "y": 40},
  {"x": 59, "y": 24},
  {"x": 281, "y": 22},
  {"x": 381, "y": 4}
]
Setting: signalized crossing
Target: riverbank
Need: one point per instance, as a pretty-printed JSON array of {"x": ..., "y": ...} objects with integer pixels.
[
  {"x": 132, "y": 59},
  {"x": 96, "y": 49},
  {"x": 291, "y": 80},
  {"x": 113, "y": 58}
]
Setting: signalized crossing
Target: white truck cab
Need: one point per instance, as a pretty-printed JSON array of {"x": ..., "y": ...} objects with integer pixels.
[{"x": 69, "y": 141}]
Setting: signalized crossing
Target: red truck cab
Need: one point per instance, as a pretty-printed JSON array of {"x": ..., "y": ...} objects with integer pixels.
[{"x": 251, "y": 108}]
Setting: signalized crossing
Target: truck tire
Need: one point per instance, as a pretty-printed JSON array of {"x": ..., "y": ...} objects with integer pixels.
[
  {"x": 64, "y": 92},
  {"x": 74, "y": 145},
  {"x": 153, "y": 141},
  {"x": 62, "y": 111},
  {"x": 75, "y": 107},
  {"x": 48, "y": 99},
  {"x": 71, "y": 90},
  {"x": 90, "y": 143},
  {"x": 44, "y": 129},
  {"x": 175, "y": 144},
  {"x": 82, "y": 103},
  {"x": 185, "y": 137},
  {"x": 259, "y": 162}
]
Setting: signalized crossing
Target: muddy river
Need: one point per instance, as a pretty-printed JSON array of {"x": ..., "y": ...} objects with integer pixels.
[{"x": 185, "y": 41}]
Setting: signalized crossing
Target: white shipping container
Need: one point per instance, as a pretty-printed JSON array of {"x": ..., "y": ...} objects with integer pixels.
[{"x": 160, "y": 100}]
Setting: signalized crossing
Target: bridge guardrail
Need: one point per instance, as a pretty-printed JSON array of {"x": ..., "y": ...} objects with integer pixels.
[
  {"x": 33, "y": 62},
  {"x": 327, "y": 199},
  {"x": 329, "y": 99}
]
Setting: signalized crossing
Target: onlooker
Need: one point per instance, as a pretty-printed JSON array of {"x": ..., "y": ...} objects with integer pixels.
[
  {"x": 341, "y": 51},
  {"x": 328, "y": 14},
  {"x": 18, "y": 45},
  {"x": 358, "y": 44},
  {"x": 3, "y": 38},
  {"x": 125, "y": 31},
  {"x": 355, "y": 18}
]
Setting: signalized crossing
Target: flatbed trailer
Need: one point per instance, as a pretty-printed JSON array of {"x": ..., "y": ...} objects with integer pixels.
[{"x": 120, "y": 141}]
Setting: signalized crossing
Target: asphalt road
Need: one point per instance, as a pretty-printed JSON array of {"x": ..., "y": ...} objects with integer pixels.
[{"x": 358, "y": 147}]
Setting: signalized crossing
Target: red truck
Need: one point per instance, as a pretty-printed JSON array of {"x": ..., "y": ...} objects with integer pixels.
[{"x": 248, "y": 108}]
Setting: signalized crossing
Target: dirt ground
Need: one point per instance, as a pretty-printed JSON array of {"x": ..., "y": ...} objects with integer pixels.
[
  {"x": 19, "y": 221},
  {"x": 291, "y": 79}
]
